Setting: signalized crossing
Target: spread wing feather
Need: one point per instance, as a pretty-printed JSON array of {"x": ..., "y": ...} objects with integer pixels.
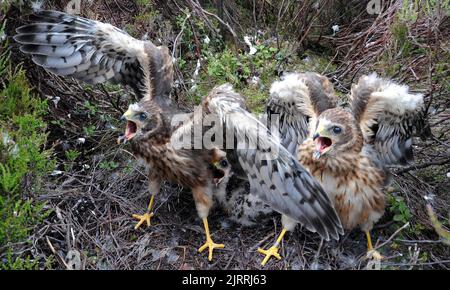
[
  {"x": 297, "y": 100},
  {"x": 274, "y": 174},
  {"x": 95, "y": 52},
  {"x": 388, "y": 115}
]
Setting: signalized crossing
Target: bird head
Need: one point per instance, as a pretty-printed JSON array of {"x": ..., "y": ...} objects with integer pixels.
[
  {"x": 336, "y": 132},
  {"x": 220, "y": 170},
  {"x": 140, "y": 120}
]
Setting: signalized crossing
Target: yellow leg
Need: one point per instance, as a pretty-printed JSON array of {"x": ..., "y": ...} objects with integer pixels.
[
  {"x": 272, "y": 251},
  {"x": 209, "y": 242},
  {"x": 146, "y": 216},
  {"x": 371, "y": 253}
]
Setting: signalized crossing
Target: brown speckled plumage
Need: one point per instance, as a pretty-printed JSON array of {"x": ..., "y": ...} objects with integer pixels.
[{"x": 376, "y": 132}]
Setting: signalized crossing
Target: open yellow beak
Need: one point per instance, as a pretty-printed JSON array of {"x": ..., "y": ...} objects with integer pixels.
[
  {"x": 127, "y": 115},
  {"x": 130, "y": 127},
  {"x": 322, "y": 141},
  {"x": 320, "y": 132}
]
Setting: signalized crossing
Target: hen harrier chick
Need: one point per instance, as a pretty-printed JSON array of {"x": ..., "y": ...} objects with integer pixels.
[
  {"x": 233, "y": 196},
  {"x": 348, "y": 151},
  {"x": 96, "y": 52}
]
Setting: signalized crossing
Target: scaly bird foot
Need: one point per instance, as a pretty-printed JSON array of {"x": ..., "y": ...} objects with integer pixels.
[
  {"x": 375, "y": 255},
  {"x": 211, "y": 245},
  {"x": 272, "y": 251},
  {"x": 143, "y": 218}
]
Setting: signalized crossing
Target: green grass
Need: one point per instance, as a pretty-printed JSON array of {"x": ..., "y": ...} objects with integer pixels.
[
  {"x": 22, "y": 154},
  {"x": 238, "y": 68}
]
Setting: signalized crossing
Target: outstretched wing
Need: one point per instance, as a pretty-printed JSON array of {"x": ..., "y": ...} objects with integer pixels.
[
  {"x": 274, "y": 174},
  {"x": 388, "y": 115},
  {"x": 296, "y": 100},
  {"x": 95, "y": 52}
]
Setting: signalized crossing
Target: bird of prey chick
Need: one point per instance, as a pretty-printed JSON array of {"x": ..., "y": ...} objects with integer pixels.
[{"x": 348, "y": 151}]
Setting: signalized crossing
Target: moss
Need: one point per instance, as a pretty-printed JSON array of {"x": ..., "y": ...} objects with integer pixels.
[
  {"x": 143, "y": 3},
  {"x": 256, "y": 99},
  {"x": 312, "y": 62},
  {"x": 399, "y": 30}
]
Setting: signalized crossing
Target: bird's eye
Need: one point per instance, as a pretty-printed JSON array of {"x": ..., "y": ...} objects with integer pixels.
[
  {"x": 142, "y": 116},
  {"x": 337, "y": 130},
  {"x": 223, "y": 163}
]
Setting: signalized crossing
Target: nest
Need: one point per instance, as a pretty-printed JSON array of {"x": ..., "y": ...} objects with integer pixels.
[{"x": 91, "y": 225}]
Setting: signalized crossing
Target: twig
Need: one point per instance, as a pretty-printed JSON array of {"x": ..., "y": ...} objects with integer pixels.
[
  {"x": 392, "y": 236},
  {"x": 183, "y": 26},
  {"x": 198, "y": 6},
  {"x": 424, "y": 165},
  {"x": 56, "y": 253}
]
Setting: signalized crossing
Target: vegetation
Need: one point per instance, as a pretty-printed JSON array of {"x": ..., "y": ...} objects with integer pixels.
[{"x": 22, "y": 159}]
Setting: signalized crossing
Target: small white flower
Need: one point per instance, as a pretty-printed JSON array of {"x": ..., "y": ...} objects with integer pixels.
[
  {"x": 14, "y": 150},
  {"x": 247, "y": 40},
  {"x": 56, "y": 172},
  {"x": 2, "y": 36},
  {"x": 37, "y": 5},
  {"x": 197, "y": 69},
  {"x": 54, "y": 99},
  {"x": 335, "y": 28},
  {"x": 193, "y": 88},
  {"x": 255, "y": 80},
  {"x": 448, "y": 174},
  {"x": 6, "y": 140},
  {"x": 429, "y": 197},
  {"x": 206, "y": 40},
  {"x": 81, "y": 140},
  {"x": 86, "y": 166}
]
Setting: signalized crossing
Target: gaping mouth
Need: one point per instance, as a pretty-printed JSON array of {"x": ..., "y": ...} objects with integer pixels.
[
  {"x": 130, "y": 130},
  {"x": 217, "y": 174},
  {"x": 323, "y": 144}
]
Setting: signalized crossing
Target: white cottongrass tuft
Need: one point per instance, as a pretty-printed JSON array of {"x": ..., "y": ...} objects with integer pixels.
[
  {"x": 54, "y": 99},
  {"x": 56, "y": 172},
  {"x": 247, "y": 40},
  {"x": 2, "y": 36},
  {"x": 335, "y": 28},
  {"x": 255, "y": 80},
  {"x": 197, "y": 69},
  {"x": 37, "y": 5}
]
